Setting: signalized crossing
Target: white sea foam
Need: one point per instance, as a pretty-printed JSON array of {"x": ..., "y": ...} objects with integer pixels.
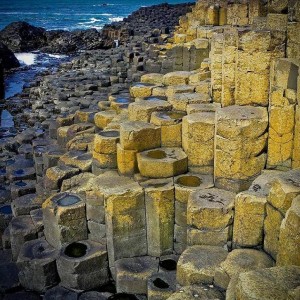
[
  {"x": 26, "y": 58},
  {"x": 116, "y": 19},
  {"x": 57, "y": 55},
  {"x": 92, "y": 21},
  {"x": 97, "y": 27}
]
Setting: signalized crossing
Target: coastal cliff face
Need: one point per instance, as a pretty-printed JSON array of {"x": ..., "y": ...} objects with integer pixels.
[{"x": 168, "y": 166}]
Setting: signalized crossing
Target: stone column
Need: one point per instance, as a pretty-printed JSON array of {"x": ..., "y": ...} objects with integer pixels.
[
  {"x": 240, "y": 143},
  {"x": 210, "y": 217},
  {"x": 283, "y": 190},
  {"x": 125, "y": 217},
  {"x": 229, "y": 58},
  {"x": 160, "y": 214},
  {"x": 216, "y": 66},
  {"x": 198, "y": 132},
  {"x": 282, "y": 114},
  {"x": 184, "y": 186}
]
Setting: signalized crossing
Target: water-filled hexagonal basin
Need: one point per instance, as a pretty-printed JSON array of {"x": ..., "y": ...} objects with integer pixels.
[
  {"x": 122, "y": 296},
  {"x": 111, "y": 133},
  {"x": 6, "y": 210},
  {"x": 190, "y": 181},
  {"x": 122, "y": 100},
  {"x": 19, "y": 172},
  {"x": 20, "y": 183},
  {"x": 157, "y": 154},
  {"x": 76, "y": 250},
  {"x": 68, "y": 200},
  {"x": 168, "y": 264},
  {"x": 161, "y": 284},
  {"x": 156, "y": 98}
]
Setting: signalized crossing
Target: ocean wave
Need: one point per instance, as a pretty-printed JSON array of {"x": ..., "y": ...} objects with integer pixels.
[
  {"x": 116, "y": 19},
  {"x": 97, "y": 27},
  {"x": 26, "y": 58},
  {"x": 92, "y": 21},
  {"x": 57, "y": 55}
]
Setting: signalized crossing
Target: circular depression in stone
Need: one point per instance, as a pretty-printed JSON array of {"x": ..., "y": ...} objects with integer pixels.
[
  {"x": 76, "y": 250},
  {"x": 111, "y": 133},
  {"x": 157, "y": 154},
  {"x": 68, "y": 200},
  {"x": 161, "y": 284},
  {"x": 168, "y": 264},
  {"x": 190, "y": 181},
  {"x": 2, "y": 171},
  {"x": 123, "y": 296},
  {"x": 6, "y": 210}
]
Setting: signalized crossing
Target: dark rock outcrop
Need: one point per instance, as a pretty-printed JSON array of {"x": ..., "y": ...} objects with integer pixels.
[
  {"x": 7, "y": 61},
  {"x": 60, "y": 41},
  {"x": 21, "y": 36},
  {"x": 8, "y": 58}
]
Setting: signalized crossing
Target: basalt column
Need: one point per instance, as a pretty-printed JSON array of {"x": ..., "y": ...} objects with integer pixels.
[
  {"x": 240, "y": 143},
  {"x": 125, "y": 218},
  {"x": 160, "y": 214},
  {"x": 198, "y": 132},
  {"x": 282, "y": 106}
]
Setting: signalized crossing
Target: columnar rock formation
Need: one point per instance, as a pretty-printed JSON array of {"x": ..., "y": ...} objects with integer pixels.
[{"x": 197, "y": 166}]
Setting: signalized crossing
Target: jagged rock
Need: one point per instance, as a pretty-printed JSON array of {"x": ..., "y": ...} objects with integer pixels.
[
  {"x": 60, "y": 41},
  {"x": 21, "y": 36}
]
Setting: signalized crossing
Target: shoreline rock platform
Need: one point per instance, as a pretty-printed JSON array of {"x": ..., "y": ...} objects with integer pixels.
[{"x": 165, "y": 168}]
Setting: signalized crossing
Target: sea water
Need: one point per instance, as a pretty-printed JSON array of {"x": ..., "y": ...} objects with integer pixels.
[{"x": 70, "y": 14}]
